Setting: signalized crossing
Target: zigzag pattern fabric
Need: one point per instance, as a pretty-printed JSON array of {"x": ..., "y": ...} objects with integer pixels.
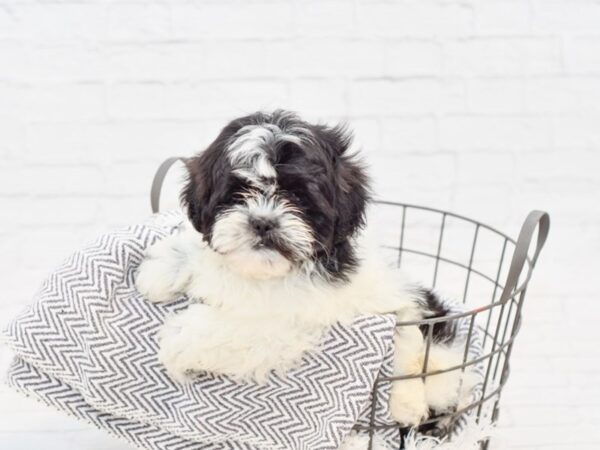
[{"x": 88, "y": 346}]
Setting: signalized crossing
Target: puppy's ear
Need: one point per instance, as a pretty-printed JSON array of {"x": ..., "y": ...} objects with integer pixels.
[
  {"x": 206, "y": 184},
  {"x": 352, "y": 185}
]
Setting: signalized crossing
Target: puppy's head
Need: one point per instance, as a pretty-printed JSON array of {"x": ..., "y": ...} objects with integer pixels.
[{"x": 273, "y": 193}]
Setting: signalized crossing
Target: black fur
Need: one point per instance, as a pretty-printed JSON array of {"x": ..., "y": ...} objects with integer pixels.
[
  {"x": 318, "y": 176},
  {"x": 443, "y": 331}
]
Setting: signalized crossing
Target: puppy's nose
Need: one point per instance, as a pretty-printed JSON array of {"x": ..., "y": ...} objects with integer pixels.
[{"x": 261, "y": 225}]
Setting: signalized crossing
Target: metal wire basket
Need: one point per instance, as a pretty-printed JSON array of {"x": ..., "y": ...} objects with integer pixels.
[
  {"x": 484, "y": 268},
  {"x": 463, "y": 259}
]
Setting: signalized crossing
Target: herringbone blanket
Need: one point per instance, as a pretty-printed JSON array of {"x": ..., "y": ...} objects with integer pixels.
[{"x": 88, "y": 346}]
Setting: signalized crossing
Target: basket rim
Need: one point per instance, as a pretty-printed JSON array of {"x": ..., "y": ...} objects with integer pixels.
[
  {"x": 447, "y": 213},
  {"x": 477, "y": 309}
]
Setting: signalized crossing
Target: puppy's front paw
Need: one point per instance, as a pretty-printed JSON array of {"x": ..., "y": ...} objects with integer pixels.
[
  {"x": 185, "y": 342},
  {"x": 408, "y": 404},
  {"x": 173, "y": 347},
  {"x": 154, "y": 280}
]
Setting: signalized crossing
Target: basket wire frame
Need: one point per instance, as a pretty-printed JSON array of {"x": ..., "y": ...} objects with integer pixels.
[{"x": 497, "y": 318}]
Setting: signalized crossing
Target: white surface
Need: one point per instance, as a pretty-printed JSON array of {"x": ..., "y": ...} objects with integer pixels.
[{"x": 485, "y": 107}]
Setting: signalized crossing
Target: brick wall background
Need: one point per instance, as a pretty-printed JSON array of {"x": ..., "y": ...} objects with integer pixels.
[{"x": 484, "y": 107}]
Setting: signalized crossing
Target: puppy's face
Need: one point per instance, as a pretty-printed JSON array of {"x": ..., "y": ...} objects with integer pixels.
[{"x": 274, "y": 193}]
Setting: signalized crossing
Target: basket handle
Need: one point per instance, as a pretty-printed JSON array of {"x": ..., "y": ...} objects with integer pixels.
[
  {"x": 159, "y": 177},
  {"x": 539, "y": 220}
]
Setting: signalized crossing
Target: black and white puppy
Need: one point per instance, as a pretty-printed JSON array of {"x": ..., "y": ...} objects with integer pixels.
[{"x": 275, "y": 206}]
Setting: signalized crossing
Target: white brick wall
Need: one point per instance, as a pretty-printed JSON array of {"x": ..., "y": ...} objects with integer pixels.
[{"x": 485, "y": 107}]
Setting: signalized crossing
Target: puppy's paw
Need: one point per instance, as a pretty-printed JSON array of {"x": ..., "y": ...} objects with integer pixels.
[
  {"x": 184, "y": 343},
  {"x": 154, "y": 280},
  {"x": 174, "y": 347},
  {"x": 408, "y": 404},
  {"x": 443, "y": 391}
]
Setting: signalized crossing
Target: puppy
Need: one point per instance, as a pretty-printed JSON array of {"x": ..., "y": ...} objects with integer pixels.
[{"x": 272, "y": 258}]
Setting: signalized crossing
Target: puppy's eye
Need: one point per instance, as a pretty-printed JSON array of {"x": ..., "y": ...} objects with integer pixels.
[
  {"x": 288, "y": 154},
  {"x": 267, "y": 180},
  {"x": 292, "y": 197}
]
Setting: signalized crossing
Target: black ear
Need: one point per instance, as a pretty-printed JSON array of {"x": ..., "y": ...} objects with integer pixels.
[
  {"x": 352, "y": 185},
  {"x": 206, "y": 184},
  {"x": 353, "y": 196}
]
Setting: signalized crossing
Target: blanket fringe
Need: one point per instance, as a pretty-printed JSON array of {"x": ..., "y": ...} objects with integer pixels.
[{"x": 468, "y": 438}]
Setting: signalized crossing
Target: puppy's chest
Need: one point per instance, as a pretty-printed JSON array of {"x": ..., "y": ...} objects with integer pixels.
[
  {"x": 279, "y": 321},
  {"x": 266, "y": 342}
]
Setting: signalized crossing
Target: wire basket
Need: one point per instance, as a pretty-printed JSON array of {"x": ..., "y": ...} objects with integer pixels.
[
  {"x": 463, "y": 259},
  {"x": 480, "y": 266}
]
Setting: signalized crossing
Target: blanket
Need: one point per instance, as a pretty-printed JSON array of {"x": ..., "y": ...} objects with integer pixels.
[{"x": 87, "y": 346}]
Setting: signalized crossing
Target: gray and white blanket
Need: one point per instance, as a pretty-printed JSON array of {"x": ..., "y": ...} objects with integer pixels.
[{"x": 87, "y": 346}]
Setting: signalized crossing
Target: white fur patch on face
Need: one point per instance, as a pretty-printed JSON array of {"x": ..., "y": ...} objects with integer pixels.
[
  {"x": 234, "y": 238},
  {"x": 249, "y": 150}
]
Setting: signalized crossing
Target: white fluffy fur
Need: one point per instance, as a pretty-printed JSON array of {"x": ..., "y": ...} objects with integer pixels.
[
  {"x": 249, "y": 326},
  {"x": 407, "y": 397},
  {"x": 450, "y": 389},
  {"x": 247, "y": 151},
  {"x": 232, "y": 239}
]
